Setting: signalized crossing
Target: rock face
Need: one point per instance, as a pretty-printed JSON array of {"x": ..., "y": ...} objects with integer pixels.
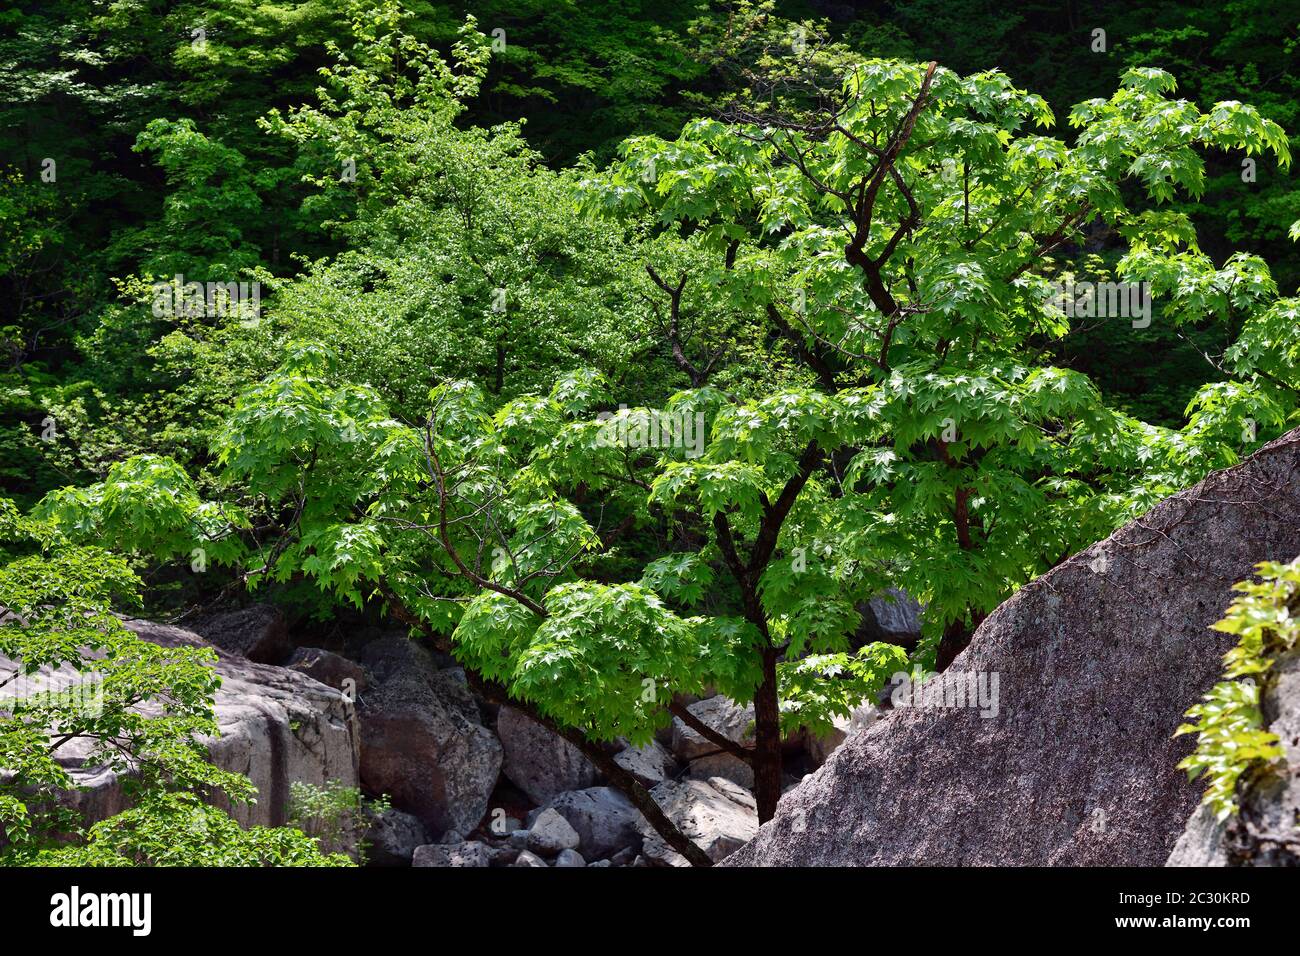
[
  {"x": 1270, "y": 806},
  {"x": 421, "y": 739},
  {"x": 717, "y": 815},
  {"x": 259, "y": 633},
  {"x": 651, "y": 764},
  {"x": 1097, "y": 661},
  {"x": 1202, "y": 843},
  {"x": 277, "y": 727},
  {"x": 892, "y": 617},
  {"x": 538, "y": 762}
]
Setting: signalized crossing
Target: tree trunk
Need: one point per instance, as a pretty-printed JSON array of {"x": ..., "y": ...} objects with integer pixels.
[
  {"x": 767, "y": 742},
  {"x": 954, "y": 641}
]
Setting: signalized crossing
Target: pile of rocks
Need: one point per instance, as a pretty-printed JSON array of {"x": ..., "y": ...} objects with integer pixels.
[
  {"x": 576, "y": 821},
  {"x": 470, "y": 784},
  {"x": 476, "y": 785}
]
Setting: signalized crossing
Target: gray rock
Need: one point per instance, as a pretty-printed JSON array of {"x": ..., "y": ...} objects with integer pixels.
[
  {"x": 329, "y": 668},
  {"x": 717, "y": 815},
  {"x": 728, "y": 718},
  {"x": 539, "y": 762},
  {"x": 1263, "y": 833},
  {"x": 551, "y": 833},
  {"x": 396, "y": 656},
  {"x": 422, "y": 742},
  {"x": 503, "y": 855},
  {"x": 569, "y": 858},
  {"x": 469, "y": 854},
  {"x": 650, "y": 764},
  {"x": 452, "y": 837},
  {"x": 722, "y": 765},
  {"x": 605, "y": 820},
  {"x": 1202, "y": 843},
  {"x": 258, "y": 632},
  {"x": 600, "y": 863},
  {"x": 892, "y": 617},
  {"x": 529, "y": 859},
  {"x": 1097, "y": 662},
  {"x": 277, "y": 727},
  {"x": 393, "y": 837}
]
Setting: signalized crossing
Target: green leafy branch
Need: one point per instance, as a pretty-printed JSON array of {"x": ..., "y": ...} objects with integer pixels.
[{"x": 1232, "y": 742}]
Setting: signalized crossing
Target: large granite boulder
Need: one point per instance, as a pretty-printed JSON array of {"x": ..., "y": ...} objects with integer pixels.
[
  {"x": 539, "y": 762},
  {"x": 422, "y": 742},
  {"x": 277, "y": 727},
  {"x": 1264, "y": 831},
  {"x": 1096, "y": 663}
]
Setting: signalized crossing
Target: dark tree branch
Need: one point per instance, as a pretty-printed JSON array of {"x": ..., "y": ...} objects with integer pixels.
[
  {"x": 724, "y": 744},
  {"x": 674, "y": 292},
  {"x": 774, "y": 515},
  {"x": 813, "y": 355}
]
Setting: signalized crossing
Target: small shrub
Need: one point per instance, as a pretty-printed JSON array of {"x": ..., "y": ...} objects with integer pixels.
[
  {"x": 337, "y": 816},
  {"x": 1232, "y": 739}
]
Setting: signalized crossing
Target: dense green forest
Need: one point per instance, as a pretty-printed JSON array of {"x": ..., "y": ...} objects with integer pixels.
[{"x": 618, "y": 351}]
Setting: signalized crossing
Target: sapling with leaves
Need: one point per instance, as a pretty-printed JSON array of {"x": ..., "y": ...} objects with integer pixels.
[{"x": 77, "y": 682}]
